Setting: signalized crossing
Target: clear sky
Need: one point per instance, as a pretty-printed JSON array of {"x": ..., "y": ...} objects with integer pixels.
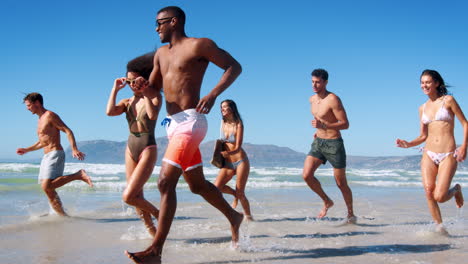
[{"x": 374, "y": 51}]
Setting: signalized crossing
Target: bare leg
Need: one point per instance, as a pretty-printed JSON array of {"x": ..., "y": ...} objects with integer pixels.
[
  {"x": 167, "y": 183},
  {"x": 446, "y": 171},
  {"x": 224, "y": 176},
  {"x": 137, "y": 176},
  {"x": 199, "y": 185},
  {"x": 49, "y": 187},
  {"x": 429, "y": 173},
  {"x": 55, "y": 202},
  {"x": 458, "y": 195},
  {"x": 242, "y": 176},
  {"x": 342, "y": 183},
  {"x": 80, "y": 175},
  {"x": 148, "y": 220},
  {"x": 310, "y": 166}
]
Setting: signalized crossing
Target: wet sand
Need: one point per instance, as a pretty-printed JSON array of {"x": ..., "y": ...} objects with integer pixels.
[{"x": 394, "y": 226}]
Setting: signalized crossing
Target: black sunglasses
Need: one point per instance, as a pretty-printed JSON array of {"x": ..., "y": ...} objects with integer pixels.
[{"x": 158, "y": 23}]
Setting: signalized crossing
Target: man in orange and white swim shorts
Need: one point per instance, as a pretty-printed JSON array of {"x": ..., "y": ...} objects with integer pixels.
[{"x": 185, "y": 131}]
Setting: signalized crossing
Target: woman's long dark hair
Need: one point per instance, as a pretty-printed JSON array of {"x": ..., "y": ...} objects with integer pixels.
[
  {"x": 442, "y": 88},
  {"x": 143, "y": 65},
  {"x": 235, "y": 112}
]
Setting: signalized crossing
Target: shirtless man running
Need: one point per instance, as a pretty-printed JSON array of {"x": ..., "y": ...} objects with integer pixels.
[
  {"x": 330, "y": 118},
  {"x": 53, "y": 163},
  {"x": 179, "y": 67}
]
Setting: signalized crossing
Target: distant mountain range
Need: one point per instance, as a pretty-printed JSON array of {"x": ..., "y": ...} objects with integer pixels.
[{"x": 104, "y": 151}]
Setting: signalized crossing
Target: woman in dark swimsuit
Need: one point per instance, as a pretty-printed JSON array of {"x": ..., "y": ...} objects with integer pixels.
[{"x": 142, "y": 111}]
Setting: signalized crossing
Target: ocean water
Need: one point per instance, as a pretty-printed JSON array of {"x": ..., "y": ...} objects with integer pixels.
[{"x": 394, "y": 224}]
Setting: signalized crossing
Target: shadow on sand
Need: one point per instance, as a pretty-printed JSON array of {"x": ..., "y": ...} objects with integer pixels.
[
  {"x": 319, "y": 235},
  {"x": 346, "y": 252}
]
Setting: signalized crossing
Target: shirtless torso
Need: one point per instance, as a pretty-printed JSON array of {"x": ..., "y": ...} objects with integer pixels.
[
  {"x": 48, "y": 132},
  {"x": 180, "y": 67},
  {"x": 327, "y": 110}
]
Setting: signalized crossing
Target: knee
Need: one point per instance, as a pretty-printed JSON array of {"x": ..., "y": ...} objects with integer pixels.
[
  {"x": 164, "y": 185},
  {"x": 196, "y": 188},
  {"x": 342, "y": 184},
  {"x": 429, "y": 190},
  {"x": 440, "y": 197},
  {"x": 308, "y": 176},
  {"x": 48, "y": 191},
  {"x": 240, "y": 195},
  {"x": 127, "y": 197}
]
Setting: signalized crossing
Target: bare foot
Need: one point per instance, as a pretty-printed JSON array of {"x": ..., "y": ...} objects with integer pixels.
[
  {"x": 249, "y": 218},
  {"x": 351, "y": 219},
  {"x": 440, "y": 229},
  {"x": 458, "y": 195},
  {"x": 147, "y": 256},
  {"x": 85, "y": 177},
  {"x": 234, "y": 203},
  {"x": 235, "y": 225},
  {"x": 327, "y": 205}
]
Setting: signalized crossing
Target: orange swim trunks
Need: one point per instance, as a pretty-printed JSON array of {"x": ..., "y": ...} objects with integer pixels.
[{"x": 185, "y": 131}]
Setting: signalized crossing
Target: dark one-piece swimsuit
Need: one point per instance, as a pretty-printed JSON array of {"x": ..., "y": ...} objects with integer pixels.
[{"x": 139, "y": 141}]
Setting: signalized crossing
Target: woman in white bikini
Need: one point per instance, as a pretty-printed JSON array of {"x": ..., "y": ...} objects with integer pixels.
[
  {"x": 440, "y": 155},
  {"x": 140, "y": 156},
  {"x": 237, "y": 162}
]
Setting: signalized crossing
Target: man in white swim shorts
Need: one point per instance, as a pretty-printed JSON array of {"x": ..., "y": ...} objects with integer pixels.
[
  {"x": 52, "y": 165},
  {"x": 179, "y": 67}
]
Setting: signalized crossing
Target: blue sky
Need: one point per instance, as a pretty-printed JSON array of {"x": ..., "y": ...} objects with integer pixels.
[{"x": 71, "y": 51}]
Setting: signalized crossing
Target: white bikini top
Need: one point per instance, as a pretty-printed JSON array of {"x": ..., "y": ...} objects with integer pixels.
[
  {"x": 441, "y": 115},
  {"x": 230, "y": 139}
]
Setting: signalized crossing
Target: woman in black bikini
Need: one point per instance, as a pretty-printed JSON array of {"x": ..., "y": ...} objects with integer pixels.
[
  {"x": 237, "y": 162},
  {"x": 142, "y": 111}
]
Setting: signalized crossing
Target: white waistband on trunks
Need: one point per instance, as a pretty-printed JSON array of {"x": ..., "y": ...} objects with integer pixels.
[
  {"x": 53, "y": 152},
  {"x": 186, "y": 115}
]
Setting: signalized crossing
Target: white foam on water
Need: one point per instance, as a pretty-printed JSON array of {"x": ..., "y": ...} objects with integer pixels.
[
  {"x": 17, "y": 167},
  {"x": 381, "y": 183},
  {"x": 135, "y": 233}
]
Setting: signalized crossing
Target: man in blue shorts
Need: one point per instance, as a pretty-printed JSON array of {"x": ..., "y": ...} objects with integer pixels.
[{"x": 329, "y": 118}]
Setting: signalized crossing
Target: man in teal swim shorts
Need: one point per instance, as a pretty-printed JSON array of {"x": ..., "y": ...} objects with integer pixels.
[{"x": 329, "y": 118}]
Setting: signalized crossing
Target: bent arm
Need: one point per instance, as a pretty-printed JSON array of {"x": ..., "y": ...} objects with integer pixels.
[
  {"x": 221, "y": 58},
  {"x": 112, "y": 108},
  {"x": 417, "y": 141},
  {"x": 461, "y": 151},
  {"x": 340, "y": 114},
  {"x": 239, "y": 139},
  {"x": 153, "y": 104},
  {"x": 60, "y": 125},
  {"x": 155, "y": 78}
]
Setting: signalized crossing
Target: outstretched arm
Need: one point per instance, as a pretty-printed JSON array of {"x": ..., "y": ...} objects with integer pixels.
[
  {"x": 60, "y": 125},
  {"x": 232, "y": 69},
  {"x": 415, "y": 142},
  {"x": 36, "y": 146}
]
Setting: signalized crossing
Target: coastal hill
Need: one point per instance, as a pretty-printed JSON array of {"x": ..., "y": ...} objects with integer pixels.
[{"x": 104, "y": 151}]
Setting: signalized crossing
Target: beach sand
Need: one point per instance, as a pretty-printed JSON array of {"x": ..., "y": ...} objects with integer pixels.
[{"x": 394, "y": 226}]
